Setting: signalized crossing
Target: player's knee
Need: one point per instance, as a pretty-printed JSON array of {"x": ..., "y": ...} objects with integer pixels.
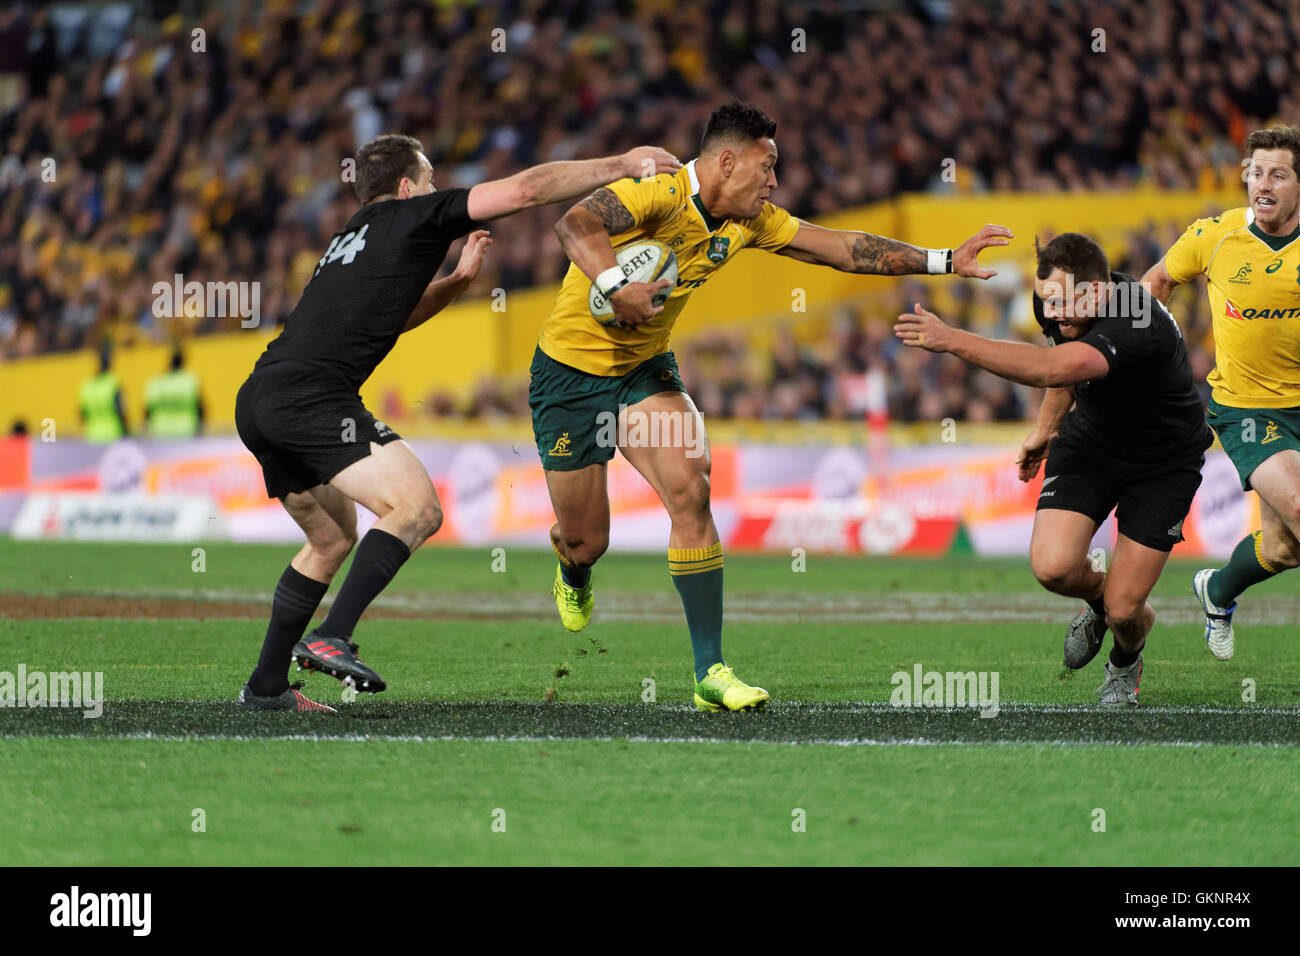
[
  {"x": 690, "y": 497},
  {"x": 1052, "y": 573},
  {"x": 428, "y": 519},
  {"x": 1124, "y": 611},
  {"x": 350, "y": 539},
  {"x": 587, "y": 548},
  {"x": 334, "y": 549}
]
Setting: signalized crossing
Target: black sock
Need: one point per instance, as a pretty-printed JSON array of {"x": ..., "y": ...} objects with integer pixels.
[
  {"x": 378, "y": 557},
  {"x": 1098, "y": 607},
  {"x": 296, "y": 599},
  {"x": 1119, "y": 658},
  {"x": 574, "y": 576}
]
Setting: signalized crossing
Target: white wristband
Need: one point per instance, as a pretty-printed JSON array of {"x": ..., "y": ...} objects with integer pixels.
[
  {"x": 610, "y": 281},
  {"x": 938, "y": 261}
]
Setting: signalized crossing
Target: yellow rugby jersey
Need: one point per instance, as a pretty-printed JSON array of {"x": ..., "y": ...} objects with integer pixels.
[
  {"x": 1254, "y": 286},
  {"x": 665, "y": 209}
]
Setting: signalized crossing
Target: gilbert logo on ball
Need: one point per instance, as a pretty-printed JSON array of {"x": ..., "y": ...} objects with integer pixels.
[{"x": 640, "y": 262}]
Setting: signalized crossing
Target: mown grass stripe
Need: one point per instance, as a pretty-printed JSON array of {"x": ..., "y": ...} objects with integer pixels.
[{"x": 780, "y": 723}]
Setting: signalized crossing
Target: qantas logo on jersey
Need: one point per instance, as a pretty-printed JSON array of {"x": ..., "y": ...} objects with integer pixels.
[{"x": 1232, "y": 312}]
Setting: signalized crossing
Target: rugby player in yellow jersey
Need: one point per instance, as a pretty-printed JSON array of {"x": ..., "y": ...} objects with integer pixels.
[
  {"x": 1251, "y": 259},
  {"x": 587, "y": 373}
]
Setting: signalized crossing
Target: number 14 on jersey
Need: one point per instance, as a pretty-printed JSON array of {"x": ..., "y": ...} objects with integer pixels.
[{"x": 344, "y": 247}]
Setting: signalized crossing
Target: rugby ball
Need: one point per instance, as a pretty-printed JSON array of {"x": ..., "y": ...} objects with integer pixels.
[{"x": 640, "y": 262}]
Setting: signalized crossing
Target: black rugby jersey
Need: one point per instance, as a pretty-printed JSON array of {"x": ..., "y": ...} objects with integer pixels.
[
  {"x": 367, "y": 283},
  {"x": 1146, "y": 409}
]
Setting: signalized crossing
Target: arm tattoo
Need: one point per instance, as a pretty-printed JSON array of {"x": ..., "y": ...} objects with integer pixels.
[
  {"x": 612, "y": 213},
  {"x": 877, "y": 255}
]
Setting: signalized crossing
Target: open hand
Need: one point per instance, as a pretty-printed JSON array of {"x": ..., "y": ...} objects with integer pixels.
[
  {"x": 965, "y": 258},
  {"x": 922, "y": 329},
  {"x": 645, "y": 162},
  {"x": 471, "y": 257}
]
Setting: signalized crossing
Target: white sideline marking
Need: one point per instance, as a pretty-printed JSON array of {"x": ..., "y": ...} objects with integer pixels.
[{"x": 809, "y": 706}]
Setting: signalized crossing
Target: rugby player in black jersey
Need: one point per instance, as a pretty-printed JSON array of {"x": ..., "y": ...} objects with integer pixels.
[
  {"x": 300, "y": 412},
  {"x": 1133, "y": 443}
]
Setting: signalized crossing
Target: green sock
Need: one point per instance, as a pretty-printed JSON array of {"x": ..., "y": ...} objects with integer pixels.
[
  {"x": 697, "y": 573},
  {"x": 1246, "y": 567}
]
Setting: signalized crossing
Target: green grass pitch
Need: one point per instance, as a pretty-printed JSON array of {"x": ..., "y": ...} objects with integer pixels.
[{"x": 503, "y": 739}]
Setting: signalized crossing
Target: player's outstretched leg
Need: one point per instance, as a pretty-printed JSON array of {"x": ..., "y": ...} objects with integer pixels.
[
  {"x": 328, "y": 519},
  {"x": 579, "y": 536},
  {"x": 393, "y": 484},
  {"x": 1058, "y": 556},
  {"x": 1257, "y": 557},
  {"x": 679, "y": 474},
  {"x": 1134, "y": 571}
]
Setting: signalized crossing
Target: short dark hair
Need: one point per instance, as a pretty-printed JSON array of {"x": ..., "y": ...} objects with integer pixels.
[
  {"x": 737, "y": 121},
  {"x": 1278, "y": 137},
  {"x": 382, "y": 163},
  {"x": 1074, "y": 254}
]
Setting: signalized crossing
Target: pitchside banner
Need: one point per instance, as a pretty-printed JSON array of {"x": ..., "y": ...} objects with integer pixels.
[{"x": 920, "y": 499}]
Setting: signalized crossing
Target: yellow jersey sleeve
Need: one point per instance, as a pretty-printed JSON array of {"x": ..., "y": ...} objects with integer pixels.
[
  {"x": 648, "y": 200},
  {"x": 1190, "y": 256},
  {"x": 772, "y": 230}
]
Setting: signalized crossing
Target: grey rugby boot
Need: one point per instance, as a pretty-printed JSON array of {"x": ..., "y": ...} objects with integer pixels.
[
  {"x": 1083, "y": 638},
  {"x": 1218, "y": 620},
  {"x": 1119, "y": 690}
]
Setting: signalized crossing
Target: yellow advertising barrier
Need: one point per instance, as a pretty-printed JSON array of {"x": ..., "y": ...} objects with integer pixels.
[{"x": 490, "y": 337}]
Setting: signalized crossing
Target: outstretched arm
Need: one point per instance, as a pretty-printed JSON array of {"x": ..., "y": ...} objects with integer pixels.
[
  {"x": 864, "y": 253},
  {"x": 442, "y": 292},
  {"x": 1016, "y": 361},
  {"x": 553, "y": 182},
  {"x": 1159, "y": 282}
]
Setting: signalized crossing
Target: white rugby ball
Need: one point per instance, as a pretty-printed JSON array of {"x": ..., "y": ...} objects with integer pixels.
[{"x": 640, "y": 262}]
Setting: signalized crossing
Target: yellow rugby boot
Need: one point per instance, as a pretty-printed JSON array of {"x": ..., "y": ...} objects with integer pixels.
[
  {"x": 722, "y": 688},
  {"x": 574, "y": 604}
]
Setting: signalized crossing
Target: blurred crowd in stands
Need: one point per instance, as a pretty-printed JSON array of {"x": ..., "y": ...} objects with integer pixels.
[{"x": 135, "y": 148}]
